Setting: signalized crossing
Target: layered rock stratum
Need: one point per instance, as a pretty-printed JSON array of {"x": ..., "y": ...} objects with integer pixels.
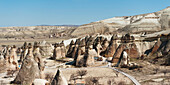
[{"x": 150, "y": 22}]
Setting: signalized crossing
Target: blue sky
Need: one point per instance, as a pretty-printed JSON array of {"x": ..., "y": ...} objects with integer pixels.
[{"x": 77, "y": 12}]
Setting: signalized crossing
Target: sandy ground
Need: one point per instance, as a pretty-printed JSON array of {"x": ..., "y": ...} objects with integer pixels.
[
  {"x": 103, "y": 74},
  {"x": 18, "y": 42},
  {"x": 148, "y": 76}
]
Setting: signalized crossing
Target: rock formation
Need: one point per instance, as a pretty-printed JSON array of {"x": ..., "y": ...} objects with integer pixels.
[
  {"x": 118, "y": 52},
  {"x": 1, "y": 56},
  {"x": 39, "y": 60},
  {"x": 150, "y": 22},
  {"x": 29, "y": 70},
  {"x": 98, "y": 47},
  {"x": 24, "y": 52},
  {"x": 13, "y": 57},
  {"x": 105, "y": 44},
  {"x": 79, "y": 57},
  {"x": 63, "y": 50},
  {"x": 75, "y": 48},
  {"x": 46, "y": 49},
  {"x": 89, "y": 56},
  {"x": 125, "y": 60},
  {"x": 70, "y": 49},
  {"x": 155, "y": 47},
  {"x": 112, "y": 47},
  {"x": 59, "y": 79},
  {"x": 57, "y": 52}
]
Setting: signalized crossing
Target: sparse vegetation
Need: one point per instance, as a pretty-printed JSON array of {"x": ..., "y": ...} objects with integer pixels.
[
  {"x": 73, "y": 77},
  {"x": 81, "y": 73},
  {"x": 49, "y": 77},
  {"x": 11, "y": 72},
  {"x": 92, "y": 81}
]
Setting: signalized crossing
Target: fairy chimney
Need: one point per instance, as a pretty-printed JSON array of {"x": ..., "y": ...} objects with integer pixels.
[
  {"x": 13, "y": 60},
  {"x": 70, "y": 50},
  {"x": 29, "y": 70},
  {"x": 89, "y": 55},
  {"x": 39, "y": 60},
  {"x": 63, "y": 49},
  {"x": 110, "y": 50},
  {"x": 59, "y": 79},
  {"x": 57, "y": 52}
]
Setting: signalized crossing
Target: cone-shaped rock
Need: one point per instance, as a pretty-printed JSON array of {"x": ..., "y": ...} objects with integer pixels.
[
  {"x": 75, "y": 48},
  {"x": 82, "y": 46},
  {"x": 70, "y": 50},
  {"x": 155, "y": 47},
  {"x": 98, "y": 47},
  {"x": 118, "y": 52},
  {"x": 24, "y": 52},
  {"x": 57, "y": 52},
  {"x": 112, "y": 47},
  {"x": 63, "y": 49},
  {"x": 29, "y": 70},
  {"x": 39, "y": 60},
  {"x": 59, "y": 79},
  {"x": 89, "y": 56},
  {"x": 13, "y": 57},
  {"x": 79, "y": 59},
  {"x": 105, "y": 44},
  {"x": 125, "y": 59}
]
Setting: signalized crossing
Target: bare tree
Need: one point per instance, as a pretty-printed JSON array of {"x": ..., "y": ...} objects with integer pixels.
[
  {"x": 95, "y": 80},
  {"x": 73, "y": 77},
  {"x": 111, "y": 82},
  {"x": 82, "y": 73},
  {"x": 11, "y": 72},
  {"x": 117, "y": 74},
  {"x": 92, "y": 81},
  {"x": 49, "y": 77},
  {"x": 121, "y": 83}
]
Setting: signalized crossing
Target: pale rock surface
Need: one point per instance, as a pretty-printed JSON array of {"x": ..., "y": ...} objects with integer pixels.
[{"x": 59, "y": 79}]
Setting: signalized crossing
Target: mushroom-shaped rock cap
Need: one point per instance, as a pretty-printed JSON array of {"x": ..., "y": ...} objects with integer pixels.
[
  {"x": 36, "y": 44},
  {"x": 56, "y": 45},
  {"x": 29, "y": 45},
  {"x": 62, "y": 43},
  {"x": 13, "y": 46},
  {"x": 105, "y": 40}
]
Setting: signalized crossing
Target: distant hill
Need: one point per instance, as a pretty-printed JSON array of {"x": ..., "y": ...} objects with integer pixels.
[
  {"x": 61, "y": 25},
  {"x": 150, "y": 22}
]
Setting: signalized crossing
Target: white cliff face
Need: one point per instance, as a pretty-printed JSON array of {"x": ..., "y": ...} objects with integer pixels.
[
  {"x": 143, "y": 46},
  {"x": 118, "y": 20},
  {"x": 145, "y": 22}
]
